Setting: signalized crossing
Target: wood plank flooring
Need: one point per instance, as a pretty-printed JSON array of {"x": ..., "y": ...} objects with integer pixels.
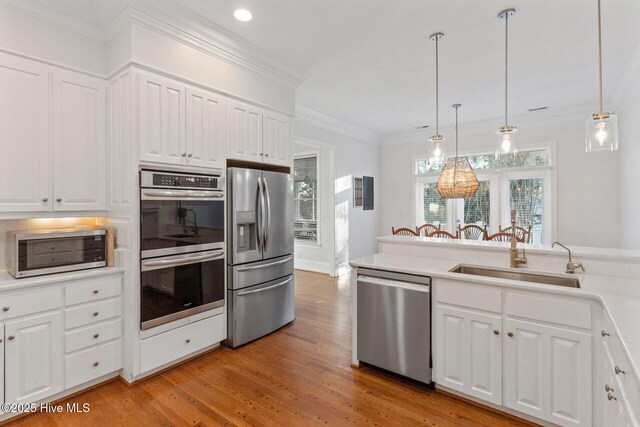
[{"x": 298, "y": 376}]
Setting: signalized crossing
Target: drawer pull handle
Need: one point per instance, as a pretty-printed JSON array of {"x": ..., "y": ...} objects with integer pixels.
[
  {"x": 510, "y": 334},
  {"x": 96, "y": 335},
  {"x": 45, "y": 199},
  {"x": 188, "y": 340},
  {"x": 95, "y": 291},
  {"x": 619, "y": 371},
  {"x": 611, "y": 396},
  {"x": 12, "y": 337},
  {"x": 496, "y": 332},
  {"x": 5, "y": 308},
  {"x": 95, "y": 314},
  {"x": 59, "y": 199},
  {"x": 96, "y": 363},
  {"x": 608, "y": 388}
]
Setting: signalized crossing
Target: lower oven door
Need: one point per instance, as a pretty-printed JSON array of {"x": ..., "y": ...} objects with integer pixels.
[
  {"x": 259, "y": 310},
  {"x": 179, "y": 286}
]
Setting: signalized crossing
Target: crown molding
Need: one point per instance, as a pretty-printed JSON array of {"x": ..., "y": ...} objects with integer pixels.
[
  {"x": 525, "y": 120},
  {"x": 314, "y": 118}
]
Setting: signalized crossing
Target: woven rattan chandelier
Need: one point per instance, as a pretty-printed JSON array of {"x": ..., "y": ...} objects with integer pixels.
[{"x": 457, "y": 180}]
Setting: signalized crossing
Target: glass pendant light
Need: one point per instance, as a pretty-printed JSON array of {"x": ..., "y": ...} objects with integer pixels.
[
  {"x": 506, "y": 144},
  {"x": 457, "y": 179},
  {"x": 437, "y": 154},
  {"x": 601, "y": 129}
]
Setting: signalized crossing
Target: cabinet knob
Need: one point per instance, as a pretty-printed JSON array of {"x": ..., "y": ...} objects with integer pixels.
[
  {"x": 45, "y": 199},
  {"x": 95, "y": 336},
  {"x": 611, "y": 396},
  {"x": 262, "y": 154},
  {"x": 496, "y": 332},
  {"x": 5, "y": 308},
  {"x": 190, "y": 154},
  {"x": 618, "y": 371},
  {"x": 96, "y": 363},
  {"x": 95, "y": 291},
  {"x": 510, "y": 334},
  {"x": 59, "y": 199},
  {"x": 608, "y": 388},
  {"x": 604, "y": 334},
  {"x": 11, "y": 337},
  {"x": 0, "y": 340},
  {"x": 184, "y": 154},
  {"x": 266, "y": 155},
  {"x": 95, "y": 314},
  {"x": 188, "y": 340}
]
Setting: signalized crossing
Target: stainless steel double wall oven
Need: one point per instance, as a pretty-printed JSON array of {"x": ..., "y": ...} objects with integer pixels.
[{"x": 182, "y": 244}]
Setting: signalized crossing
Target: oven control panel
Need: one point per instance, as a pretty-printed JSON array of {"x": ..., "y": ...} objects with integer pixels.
[{"x": 153, "y": 179}]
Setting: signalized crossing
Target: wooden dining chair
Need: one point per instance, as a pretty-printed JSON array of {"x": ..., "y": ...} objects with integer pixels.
[
  {"x": 472, "y": 232},
  {"x": 503, "y": 237},
  {"x": 403, "y": 231},
  {"x": 426, "y": 229},
  {"x": 441, "y": 234},
  {"x": 523, "y": 234}
]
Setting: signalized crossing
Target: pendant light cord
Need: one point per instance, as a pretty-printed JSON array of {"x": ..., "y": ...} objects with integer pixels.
[
  {"x": 437, "y": 88},
  {"x": 456, "y": 107},
  {"x": 506, "y": 68},
  {"x": 600, "y": 53}
]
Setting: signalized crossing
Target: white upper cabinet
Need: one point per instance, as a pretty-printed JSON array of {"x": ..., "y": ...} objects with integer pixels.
[
  {"x": 277, "y": 139},
  {"x": 547, "y": 372},
  {"x": 259, "y": 135},
  {"x": 24, "y": 126},
  {"x": 206, "y": 143},
  {"x": 34, "y": 358},
  {"x": 161, "y": 120},
  {"x": 79, "y": 142}
]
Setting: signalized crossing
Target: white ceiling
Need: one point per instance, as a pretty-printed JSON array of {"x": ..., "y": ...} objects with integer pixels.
[{"x": 371, "y": 65}]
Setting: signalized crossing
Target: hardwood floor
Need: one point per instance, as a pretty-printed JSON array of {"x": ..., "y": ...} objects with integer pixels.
[{"x": 298, "y": 376}]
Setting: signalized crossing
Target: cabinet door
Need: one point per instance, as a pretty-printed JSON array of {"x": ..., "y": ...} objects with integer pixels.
[
  {"x": 34, "y": 358},
  {"x": 24, "y": 151},
  {"x": 206, "y": 129},
  {"x": 79, "y": 142},
  {"x": 161, "y": 120},
  {"x": 245, "y": 132},
  {"x": 469, "y": 352},
  {"x": 2, "y": 344},
  {"x": 277, "y": 139},
  {"x": 547, "y": 372}
]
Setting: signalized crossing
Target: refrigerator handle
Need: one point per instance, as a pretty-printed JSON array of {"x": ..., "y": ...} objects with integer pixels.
[
  {"x": 259, "y": 211},
  {"x": 268, "y": 224}
]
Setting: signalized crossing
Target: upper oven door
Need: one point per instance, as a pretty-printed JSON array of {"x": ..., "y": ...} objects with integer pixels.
[{"x": 180, "y": 221}]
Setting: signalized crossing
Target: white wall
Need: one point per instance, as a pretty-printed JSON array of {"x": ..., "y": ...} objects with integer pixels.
[
  {"x": 30, "y": 36},
  {"x": 587, "y": 196},
  {"x": 629, "y": 139},
  {"x": 355, "y": 230}
]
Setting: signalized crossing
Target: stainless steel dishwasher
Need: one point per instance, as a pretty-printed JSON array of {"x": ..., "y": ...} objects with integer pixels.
[{"x": 394, "y": 322}]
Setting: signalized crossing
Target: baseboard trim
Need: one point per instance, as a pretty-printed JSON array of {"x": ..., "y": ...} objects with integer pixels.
[{"x": 315, "y": 266}]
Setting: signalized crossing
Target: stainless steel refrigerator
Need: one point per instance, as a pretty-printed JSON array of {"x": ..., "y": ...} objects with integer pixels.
[{"x": 260, "y": 283}]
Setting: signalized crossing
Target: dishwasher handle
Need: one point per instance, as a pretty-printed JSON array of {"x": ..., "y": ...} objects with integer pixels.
[{"x": 393, "y": 283}]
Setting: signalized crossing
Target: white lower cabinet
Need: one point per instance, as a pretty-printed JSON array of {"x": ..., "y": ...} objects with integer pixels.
[
  {"x": 34, "y": 358},
  {"x": 469, "y": 350},
  {"x": 2, "y": 344},
  {"x": 547, "y": 372}
]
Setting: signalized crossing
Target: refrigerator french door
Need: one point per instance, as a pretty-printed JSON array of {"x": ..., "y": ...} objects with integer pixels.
[{"x": 260, "y": 253}]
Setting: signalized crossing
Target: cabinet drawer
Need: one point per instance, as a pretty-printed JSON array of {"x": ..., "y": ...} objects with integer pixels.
[
  {"x": 169, "y": 346},
  {"x": 558, "y": 309},
  {"x": 92, "y": 313},
  {"x": 96, "y": 334},
  {"x": 30, "y": 302},
  {"x": 93, "y": 290},
  {"x": 93, "y": 363},
  {"x": 470, "y": 295}
]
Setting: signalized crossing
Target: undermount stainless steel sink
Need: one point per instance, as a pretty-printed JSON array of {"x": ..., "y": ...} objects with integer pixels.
[{"x": 545, "y": 279}]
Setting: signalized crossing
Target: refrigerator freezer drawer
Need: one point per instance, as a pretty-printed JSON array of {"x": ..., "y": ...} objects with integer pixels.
[
  {"x": 259, "y": 310},
  {"x": 243, "y": 276}
]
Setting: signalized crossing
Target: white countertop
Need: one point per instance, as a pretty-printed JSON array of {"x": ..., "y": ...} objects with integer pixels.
[
  {"x": 577, "y": 251},
  {"x": 620, "y": 297},
  {"x": 9, "y": 283}
]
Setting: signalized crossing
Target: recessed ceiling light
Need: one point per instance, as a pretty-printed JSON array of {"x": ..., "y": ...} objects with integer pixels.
[{"x": 243, "y": 15}]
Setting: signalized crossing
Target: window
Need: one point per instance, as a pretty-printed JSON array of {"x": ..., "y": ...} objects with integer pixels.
[
  {"x": 305, "y": 198},
  {"x": 522, "y": 182}
]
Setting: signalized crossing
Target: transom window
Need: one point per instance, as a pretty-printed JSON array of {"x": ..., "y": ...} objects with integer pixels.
[{"x": 521, "y": 182}]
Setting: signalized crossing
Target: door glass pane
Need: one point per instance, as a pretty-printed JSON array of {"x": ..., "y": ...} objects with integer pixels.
[
  {"x": 477, "y": 210},
  {"x": 526, "y": 197},
  {"x": 434, "y": 206},
  {"x": 305, "y": 202}
]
